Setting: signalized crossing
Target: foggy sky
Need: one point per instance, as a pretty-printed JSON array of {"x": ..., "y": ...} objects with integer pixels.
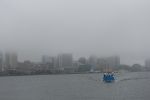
[{"x": 81, "y": 27}]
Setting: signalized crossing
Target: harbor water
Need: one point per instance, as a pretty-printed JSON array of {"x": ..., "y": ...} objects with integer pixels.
[{"x": 128, "y": 86}]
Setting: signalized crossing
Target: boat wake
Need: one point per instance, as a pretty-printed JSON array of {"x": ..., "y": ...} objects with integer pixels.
[
  {"x": 117, "y": 78},
  {"x": 130, "y": 79}
]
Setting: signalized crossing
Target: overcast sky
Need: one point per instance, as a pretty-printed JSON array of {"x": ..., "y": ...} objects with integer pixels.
[{"x": 81, "y": 27}]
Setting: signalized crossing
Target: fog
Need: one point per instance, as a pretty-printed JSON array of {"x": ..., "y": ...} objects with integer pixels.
[{"x": 82, "y": 27}]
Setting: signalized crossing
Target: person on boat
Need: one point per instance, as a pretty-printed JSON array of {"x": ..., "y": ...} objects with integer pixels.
[
  {"x": 109, "y": 77},
  {"x": 104, "y": 77},
  {"x": 113, "y": 78}
]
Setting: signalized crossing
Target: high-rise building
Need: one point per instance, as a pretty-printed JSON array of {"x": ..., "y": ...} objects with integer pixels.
[
  {"x": 113, "y": 61},
  {"x": 11, "y": 60},
  {"x": 1, "y": 62},
  {"x": 108, "y": 63},
  {"x": 92, "y": 61},
  {"x": 47, "y": 60},
  {"x": 82, "y": 60},
  {"x": 147, "y": 63},
  {"x": 102, "y": 63},
  {"x": 56, "y": 62},
  {"x": 65, "y": 60}
]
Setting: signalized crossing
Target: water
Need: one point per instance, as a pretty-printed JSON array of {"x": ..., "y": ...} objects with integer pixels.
[{"x": 129, "y": 86}]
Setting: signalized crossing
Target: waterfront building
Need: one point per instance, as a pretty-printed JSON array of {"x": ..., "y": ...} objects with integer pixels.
[
  {"x": 1, "y": 61},
  {"x": 113, "y": 61},
  {"x": 82, "y": 60},
  {"x": 92, "y": 61},
  {"x": 47, "y": 59},
  {"x": 147, "y": 63},
  {"x": 11, "y": 60},
  {"x": 65, "y": 60}
]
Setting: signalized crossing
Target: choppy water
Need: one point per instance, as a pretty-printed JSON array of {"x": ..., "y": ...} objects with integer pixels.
[{"x": 129, "y": 86}]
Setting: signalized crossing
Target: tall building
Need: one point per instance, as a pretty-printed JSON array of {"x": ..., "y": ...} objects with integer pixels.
[
  {"x": 108, "y": 63},
  {"x": 11, "y": 60},
  {"x": 113, "y": 61},
  {"x": 82, "y": 60},
  {"x": 65, "y": 60},
  {"x": 101, "y": 64},
  {"x": 147, "y": 63},
  {"x": 1, "y": 62},
  {"x": 56, "y": 62},
  {"x": 47, "y": 60},
  {"x": 92, "y": 61}
]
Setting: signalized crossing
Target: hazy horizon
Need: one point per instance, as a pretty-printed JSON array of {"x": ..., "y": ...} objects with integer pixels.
[{"x": 34, "y": 28}]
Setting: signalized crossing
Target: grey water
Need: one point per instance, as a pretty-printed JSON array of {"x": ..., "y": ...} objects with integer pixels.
[{"x": 128, "y": 86}]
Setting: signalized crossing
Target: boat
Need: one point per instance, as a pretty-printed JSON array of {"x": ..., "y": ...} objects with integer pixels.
[{"x": 108, "y": 77}]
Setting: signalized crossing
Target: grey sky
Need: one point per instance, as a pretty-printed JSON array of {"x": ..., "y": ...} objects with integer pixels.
[{"x": 82, "y": 27}]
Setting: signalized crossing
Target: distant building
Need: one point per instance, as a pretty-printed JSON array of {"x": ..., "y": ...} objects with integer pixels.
[
  {"x": 47, "y": 60},
  {"x": 92, "y": 61},
  {"x": 82, "y": 60},
  {"x": 56, "y": 62},
  {"x": 113, "y": 61},
  {"x": 1, "y": 62},
  {"x": 147, "y": 63},
  {"x": 101, "y": 64},
  {"x": 11, "y": 60},
  {"x": 136, "y": 67},
  {"x": 65, "y": 60},
  {"x": 106, "y": 63},
  {"x": 26, "y": 67}
]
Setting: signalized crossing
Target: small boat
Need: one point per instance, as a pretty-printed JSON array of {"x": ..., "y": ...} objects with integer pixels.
[{"x": 108, "y": 77}]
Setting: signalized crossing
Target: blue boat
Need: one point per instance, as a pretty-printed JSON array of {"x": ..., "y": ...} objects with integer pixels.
[{"x": 108, "y": 77}]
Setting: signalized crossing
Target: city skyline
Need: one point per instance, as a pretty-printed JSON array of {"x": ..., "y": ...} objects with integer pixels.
[{"x": 75, "y": 58}]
